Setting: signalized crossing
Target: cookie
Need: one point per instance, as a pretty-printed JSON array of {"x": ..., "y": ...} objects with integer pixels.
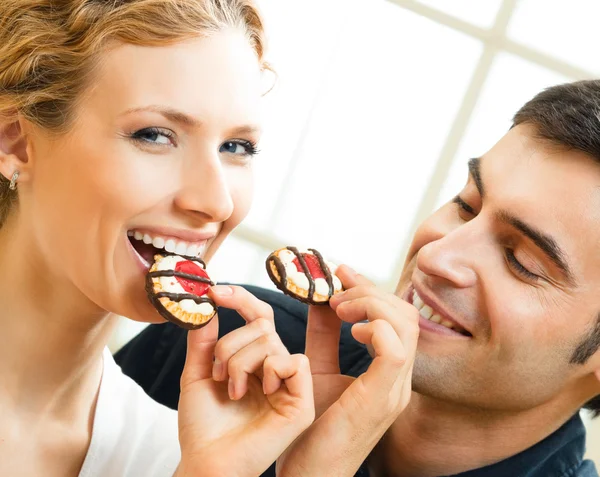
[
  {"x": 177, "y": 288},
  {"x": 303, "y": 275}
]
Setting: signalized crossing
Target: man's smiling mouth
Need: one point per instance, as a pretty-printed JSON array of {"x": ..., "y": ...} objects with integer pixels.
[{"x": 428, "y": 313}]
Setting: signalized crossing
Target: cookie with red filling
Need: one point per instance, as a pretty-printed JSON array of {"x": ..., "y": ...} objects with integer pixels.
[
  {"x": 304, "y": 275},
  {"x": 177, "y": 287}
]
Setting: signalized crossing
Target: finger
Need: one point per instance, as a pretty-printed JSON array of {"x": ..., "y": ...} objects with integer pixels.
[
  {"x": 390, "y": 355},
  {"x": 200, "y": 351},
  {"x": 351, "y": 278},
  {"x": 403, "y": 317},
  {"x": 324, "y": 327},
  {"x": 360, "y": 291},
  {"x": 323, "y": 340},
  {"x": 233, "y": 342},
  {"x": 293, "y": 370},
  {"x": 241, "y": 300},
  {"x": 249, "y": 360}
]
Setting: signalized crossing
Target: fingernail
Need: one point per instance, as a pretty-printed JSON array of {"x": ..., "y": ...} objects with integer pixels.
[
  {"x": 222, "y": 290},
  {"x": 231, "y": 389},
  {"x": 217, "y": 370}
]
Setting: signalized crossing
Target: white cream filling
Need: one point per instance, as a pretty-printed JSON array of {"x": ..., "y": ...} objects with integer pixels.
[{"x": 300, "y": 279}]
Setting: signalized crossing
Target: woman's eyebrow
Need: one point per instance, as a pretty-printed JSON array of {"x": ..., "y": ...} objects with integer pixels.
[{"x": 169, "y": 113}]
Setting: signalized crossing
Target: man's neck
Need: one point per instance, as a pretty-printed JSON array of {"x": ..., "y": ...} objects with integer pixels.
[{"x": 431, "y": 438}]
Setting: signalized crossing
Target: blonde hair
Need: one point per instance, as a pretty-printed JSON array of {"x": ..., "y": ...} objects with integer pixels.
[{"x": 50, "y": 48}]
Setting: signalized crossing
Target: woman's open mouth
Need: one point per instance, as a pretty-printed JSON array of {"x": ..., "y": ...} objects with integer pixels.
[{"x": 147, "y": 245}]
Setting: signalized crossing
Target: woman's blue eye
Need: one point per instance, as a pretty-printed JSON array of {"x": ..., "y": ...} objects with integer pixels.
[
  {"x": 238, "y": 148},
  {"x": 158, "y": 136}
]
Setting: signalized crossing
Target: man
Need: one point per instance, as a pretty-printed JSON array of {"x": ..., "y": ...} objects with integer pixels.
[{"x": 506, "y": 279}]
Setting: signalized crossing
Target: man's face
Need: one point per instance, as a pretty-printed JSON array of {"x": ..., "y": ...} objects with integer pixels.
[{"x": 512, "y": 265}]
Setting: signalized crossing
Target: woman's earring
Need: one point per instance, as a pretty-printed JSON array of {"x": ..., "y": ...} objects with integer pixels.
[{"x": 13, "y": 181}]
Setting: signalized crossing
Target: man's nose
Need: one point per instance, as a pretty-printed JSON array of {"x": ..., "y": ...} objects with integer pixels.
[
  {"x": 205, "y": 189},
  {"x": 455, "y": 256}
]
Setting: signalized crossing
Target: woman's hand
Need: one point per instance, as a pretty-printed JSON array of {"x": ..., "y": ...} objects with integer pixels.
[
  {"x": 354, "y": 414},
  {"x": 238, "y": 414}
]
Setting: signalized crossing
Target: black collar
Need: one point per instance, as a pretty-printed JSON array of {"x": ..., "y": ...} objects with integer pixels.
[{"x": 559, "y": 455}]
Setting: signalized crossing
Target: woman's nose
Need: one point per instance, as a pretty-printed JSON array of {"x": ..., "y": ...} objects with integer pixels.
[{"x": 205, "y": 190}]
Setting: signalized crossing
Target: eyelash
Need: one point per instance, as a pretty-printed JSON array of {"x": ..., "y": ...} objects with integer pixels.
[
  {"x": 510, "y": 255},
  {"x": 463, "y": 205},
  {"x": 512, "y": 260},
  {"x": 138, "y": 135},
  {"x": 250, "y": 146}
]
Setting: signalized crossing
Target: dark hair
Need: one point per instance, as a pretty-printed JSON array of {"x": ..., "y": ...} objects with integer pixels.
[{"x": 568, "y": 115}]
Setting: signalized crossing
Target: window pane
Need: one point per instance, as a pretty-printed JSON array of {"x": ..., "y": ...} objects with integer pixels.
[
  {"x": 512, "y": 82},
  {"x": 388, "y": 104},
  {"x": 478, "y": 12},
  {"x": 567, "y": 30},
  {"x": 302, "y": 37}
]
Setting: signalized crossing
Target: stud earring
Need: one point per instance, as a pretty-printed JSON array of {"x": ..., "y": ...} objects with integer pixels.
[{"x": 13, "y": 181}]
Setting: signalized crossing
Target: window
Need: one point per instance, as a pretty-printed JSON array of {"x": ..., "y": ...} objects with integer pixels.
[{"x": 377, "y": 107}]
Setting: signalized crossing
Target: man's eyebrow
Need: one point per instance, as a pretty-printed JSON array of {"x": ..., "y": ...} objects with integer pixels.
[
  {"x": 169, "y": 113},
  {"x": 544, "y": 242},
  {"x": 475, "y": 171}
]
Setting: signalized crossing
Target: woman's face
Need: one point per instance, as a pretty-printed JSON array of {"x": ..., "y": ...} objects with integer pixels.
[{"x": 161, "y": 151}]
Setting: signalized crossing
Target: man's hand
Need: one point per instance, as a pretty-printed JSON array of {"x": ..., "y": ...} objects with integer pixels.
[
  {"x": 238, "y": 414},
  {"x": 354, "y": 414}
]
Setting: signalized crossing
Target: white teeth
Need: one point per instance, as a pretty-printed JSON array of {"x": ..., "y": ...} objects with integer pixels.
[
  {"x": 426, "y": 312},
  {"x": 181, "y": 248},
  {"x": 158, "y": 242},
  {"x": 447, "y": 324},
  {"x": 170, "y": 245}
]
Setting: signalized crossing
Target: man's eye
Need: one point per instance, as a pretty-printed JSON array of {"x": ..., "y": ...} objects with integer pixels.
[
  {"x": 158, "y": 136},
  {"x": 464, "y": 206},
  {"x": 518, "y": 267},
  {"x": 239, "y": 148}
]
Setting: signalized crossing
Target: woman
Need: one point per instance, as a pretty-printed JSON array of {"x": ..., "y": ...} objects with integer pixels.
[{"x": 125, "y": 119}]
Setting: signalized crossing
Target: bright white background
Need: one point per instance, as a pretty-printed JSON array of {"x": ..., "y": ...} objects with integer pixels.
[{"x": 377, "y": 107}]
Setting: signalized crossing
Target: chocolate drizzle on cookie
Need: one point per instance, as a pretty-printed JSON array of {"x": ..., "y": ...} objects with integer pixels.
[
  {"x": 174, "y": 273},
  {"x": 155, "y": 296},
  {"x": 282, "y": 282},
  {"x": 184, "y": 296},
  {"x": 325, "y": 269},
  {"x": 304, "y": 265}
]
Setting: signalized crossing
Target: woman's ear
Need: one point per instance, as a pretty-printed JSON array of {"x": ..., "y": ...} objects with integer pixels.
[{"x": 13, "y": 149}]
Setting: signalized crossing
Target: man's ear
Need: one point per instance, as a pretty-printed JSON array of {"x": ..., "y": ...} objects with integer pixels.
[{"x": 13, "y": 149}]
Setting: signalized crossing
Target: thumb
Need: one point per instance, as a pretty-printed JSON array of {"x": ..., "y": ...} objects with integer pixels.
[
  {"x": 200, "y": 352},
  {"x": 323, "y": 340}
]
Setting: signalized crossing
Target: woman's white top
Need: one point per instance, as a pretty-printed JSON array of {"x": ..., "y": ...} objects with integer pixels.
[{"x": 132, "y": 435}]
